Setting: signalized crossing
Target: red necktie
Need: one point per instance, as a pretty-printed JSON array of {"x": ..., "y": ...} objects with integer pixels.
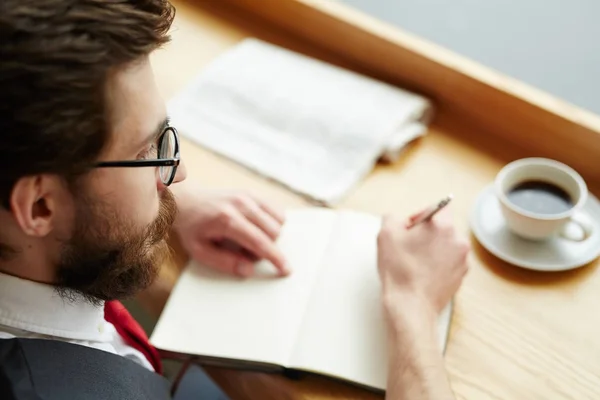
[{"x": 131, "y": 332}]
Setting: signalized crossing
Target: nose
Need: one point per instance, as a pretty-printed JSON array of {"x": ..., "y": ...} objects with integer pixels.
[{"x": 181, "y": 173}]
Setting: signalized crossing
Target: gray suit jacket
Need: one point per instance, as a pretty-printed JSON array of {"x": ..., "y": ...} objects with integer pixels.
[{"x": 32, "y": 369}]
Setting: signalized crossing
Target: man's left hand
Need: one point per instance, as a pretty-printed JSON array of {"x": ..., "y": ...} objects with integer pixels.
[{"x": 229, "y": 231}]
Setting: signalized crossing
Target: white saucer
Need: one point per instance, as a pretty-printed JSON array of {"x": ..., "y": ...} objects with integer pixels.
[{"x": 555, "y": 254}]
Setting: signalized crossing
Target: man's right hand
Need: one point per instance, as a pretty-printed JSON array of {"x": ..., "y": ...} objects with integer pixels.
[
  {"x": 426, "y": 262},
  {"x": 420, "y": 270}
]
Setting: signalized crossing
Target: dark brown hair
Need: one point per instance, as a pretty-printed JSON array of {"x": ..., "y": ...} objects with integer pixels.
[{"x": 55, "y": 59}]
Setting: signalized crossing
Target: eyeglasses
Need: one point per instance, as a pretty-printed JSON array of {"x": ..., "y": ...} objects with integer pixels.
[{"x": 167, "y": 160}]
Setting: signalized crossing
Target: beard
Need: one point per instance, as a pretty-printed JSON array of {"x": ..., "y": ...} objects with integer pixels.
[{"x": 108, "y": 259}]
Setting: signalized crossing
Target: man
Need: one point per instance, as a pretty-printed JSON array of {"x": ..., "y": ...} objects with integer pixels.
[{"x": 91, "y": 184}]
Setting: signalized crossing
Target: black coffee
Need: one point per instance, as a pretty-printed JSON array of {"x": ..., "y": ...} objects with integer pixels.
[{"x": 540, "y": 197}]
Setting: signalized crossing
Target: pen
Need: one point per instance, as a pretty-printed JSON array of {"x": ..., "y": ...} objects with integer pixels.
[{"x": 432, "y": 211}]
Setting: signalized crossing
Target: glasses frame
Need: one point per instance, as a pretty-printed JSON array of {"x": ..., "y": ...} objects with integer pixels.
[{"x": 158, "y": 162}]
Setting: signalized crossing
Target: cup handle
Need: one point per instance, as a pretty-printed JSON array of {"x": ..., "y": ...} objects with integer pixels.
[{"x": 578, "y": 229}]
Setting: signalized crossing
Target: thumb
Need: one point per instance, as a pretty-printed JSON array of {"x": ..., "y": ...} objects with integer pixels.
[
  {"x": 222, "y": 259},
  {"x": 415, "y": 217},
  {"x": 418, "y": 215}
]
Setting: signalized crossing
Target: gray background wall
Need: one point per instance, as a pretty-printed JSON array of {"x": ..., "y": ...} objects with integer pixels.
[{"x": 551, "y": 44}]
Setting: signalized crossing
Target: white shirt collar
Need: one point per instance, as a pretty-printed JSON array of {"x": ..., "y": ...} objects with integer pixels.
[{"x": 37, "y": 308}]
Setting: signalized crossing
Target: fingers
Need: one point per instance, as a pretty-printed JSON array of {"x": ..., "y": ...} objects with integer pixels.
[
  {"x": 223, "y": 259},
  {"x": 274, "y": 212},
  {"x": 250, "y": 237},
  {"x": 267, "y": 218},
  {"x": 418, "y": 215},
  {"x": 444, "y": 216},
  {"x": 258, "y": 216}
]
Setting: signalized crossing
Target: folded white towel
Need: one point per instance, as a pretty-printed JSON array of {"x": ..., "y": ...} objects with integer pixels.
[{"x": 314, "y": 127}]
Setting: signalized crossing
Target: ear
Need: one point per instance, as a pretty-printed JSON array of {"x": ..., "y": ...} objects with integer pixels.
[{"x": 33, "y": 202}]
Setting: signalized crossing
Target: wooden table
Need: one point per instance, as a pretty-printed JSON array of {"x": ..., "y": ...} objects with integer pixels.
[{"x": 516, "y": 334}]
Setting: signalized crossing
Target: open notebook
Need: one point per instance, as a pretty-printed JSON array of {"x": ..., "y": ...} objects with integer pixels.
[{"x": 325, "y": 318}]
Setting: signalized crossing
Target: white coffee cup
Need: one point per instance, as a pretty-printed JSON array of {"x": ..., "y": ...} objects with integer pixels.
[{"x": 572, "y": 224}]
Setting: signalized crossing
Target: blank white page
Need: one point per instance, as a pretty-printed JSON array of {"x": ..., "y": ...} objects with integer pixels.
[
  {"x": 257, "y": 319},
  {"x": 343, "y": 332}
]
